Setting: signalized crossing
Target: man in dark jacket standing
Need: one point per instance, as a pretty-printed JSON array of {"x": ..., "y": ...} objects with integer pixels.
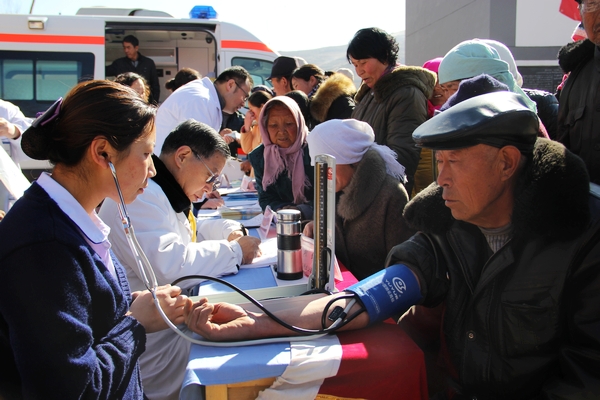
[
  {"x": 134, "y": 61},
  {"x": 579, "y": 101},
  {"x": 508, "y": 238}
]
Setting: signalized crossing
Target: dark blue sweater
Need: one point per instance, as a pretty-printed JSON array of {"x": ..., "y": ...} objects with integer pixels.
[{"x": 63, "y": 329}]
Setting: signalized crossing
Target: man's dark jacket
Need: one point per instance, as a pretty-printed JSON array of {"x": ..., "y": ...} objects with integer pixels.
[
  {"x": 145, "y": 68},
  {"x": 579, "y": 104},
  {"x": 523, "y": 323}
]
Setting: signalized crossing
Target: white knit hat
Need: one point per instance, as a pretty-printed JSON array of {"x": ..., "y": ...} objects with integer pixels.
[{"x": 348, "y": 140}]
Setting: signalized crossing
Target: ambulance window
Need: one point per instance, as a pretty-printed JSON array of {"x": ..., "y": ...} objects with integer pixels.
[
  {"x": 258, "y": 69},
  {"x": 54, "y": 78},
  {"x": 16, "y": 79}
]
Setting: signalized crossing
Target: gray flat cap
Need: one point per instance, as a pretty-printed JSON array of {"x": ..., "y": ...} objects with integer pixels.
[{"x": 497, "y": 119}]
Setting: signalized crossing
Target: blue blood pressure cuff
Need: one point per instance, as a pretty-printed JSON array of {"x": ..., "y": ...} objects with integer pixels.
[{"x": 389, "y": 292}]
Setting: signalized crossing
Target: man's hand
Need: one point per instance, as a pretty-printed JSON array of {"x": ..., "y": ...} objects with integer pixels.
[
  {"x": 220, "y": 322},
  {"x": 224, "y": 132},
  {"x": 9, "y": 130},
  {"x": 250, "y": 249},
  {"x": 171, "y": 301}
]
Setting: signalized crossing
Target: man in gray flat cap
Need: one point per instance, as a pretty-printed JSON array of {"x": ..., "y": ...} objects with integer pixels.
[{"x": 509, "y": 239}]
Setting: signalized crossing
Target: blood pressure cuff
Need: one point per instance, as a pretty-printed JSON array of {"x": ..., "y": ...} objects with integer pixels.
[{"x": 389, "y": 292}]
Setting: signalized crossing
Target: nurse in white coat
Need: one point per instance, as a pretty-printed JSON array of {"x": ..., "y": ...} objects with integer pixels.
[{"x": 192, "y": 157}]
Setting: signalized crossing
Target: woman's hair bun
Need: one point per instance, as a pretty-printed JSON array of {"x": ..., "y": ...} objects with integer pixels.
[{"x": 37, "y": 141}]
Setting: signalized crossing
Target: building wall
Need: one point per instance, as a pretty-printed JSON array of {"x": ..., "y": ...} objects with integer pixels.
[{"x": 533, "y": 30}]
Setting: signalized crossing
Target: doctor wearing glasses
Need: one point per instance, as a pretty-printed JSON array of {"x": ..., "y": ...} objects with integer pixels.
[{"x": 190, "y": 162}]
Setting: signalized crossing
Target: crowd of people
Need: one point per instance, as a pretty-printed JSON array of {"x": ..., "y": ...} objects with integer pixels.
[{"x": 457, "y": 190}]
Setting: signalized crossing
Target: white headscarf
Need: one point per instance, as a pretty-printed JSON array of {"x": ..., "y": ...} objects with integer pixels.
[{"x": 348, "y": 140}]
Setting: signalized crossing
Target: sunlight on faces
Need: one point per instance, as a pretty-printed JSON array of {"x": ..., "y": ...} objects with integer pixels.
[
  {"x": 343, "y": 176},
  {"x": 130, "y": 50},
  {"x": 450, "y": 87},
  {"x": 369, "y": 70},
  {"x": 235, "y": 95},
  {"x": 138, "y": 86},
  {"x": 134, "y": 167},
  {"x": 280, "y": 86},
  {"x": 439, "y": 96},
  {"x": 590, "y": 16},
  {"x": 193, "y": 174},
  {"x": 281, "y": 126},
  {"x": 473, "y": 184},
  {"x": 302, "y": 85}
]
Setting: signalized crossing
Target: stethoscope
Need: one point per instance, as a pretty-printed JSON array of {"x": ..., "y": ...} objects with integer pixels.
[{"x": 149, "y": 278}]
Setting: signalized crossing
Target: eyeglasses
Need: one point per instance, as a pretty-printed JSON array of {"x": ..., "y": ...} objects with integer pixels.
[
  {"x": 214, "y": 178},
  {"x": 246, "y": 94},
  {"x": 589, "y": 6}
]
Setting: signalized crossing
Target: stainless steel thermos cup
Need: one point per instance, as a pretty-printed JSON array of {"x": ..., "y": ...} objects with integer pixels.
[{"x": 289, "y": 245}]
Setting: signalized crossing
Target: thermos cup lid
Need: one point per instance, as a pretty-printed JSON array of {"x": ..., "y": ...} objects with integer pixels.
[{"x": 288, "y": 215}]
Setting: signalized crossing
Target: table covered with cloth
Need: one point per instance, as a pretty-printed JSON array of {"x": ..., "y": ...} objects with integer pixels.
[{"x": 378, "y": 362}]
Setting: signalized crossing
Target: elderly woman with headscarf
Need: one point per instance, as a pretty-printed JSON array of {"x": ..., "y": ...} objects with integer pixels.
[
  {"x": 371, "y": 194},
  {"x": 282, "y": 169}
]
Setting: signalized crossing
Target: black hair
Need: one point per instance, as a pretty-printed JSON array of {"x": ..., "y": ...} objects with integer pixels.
[
  {"x": 201, "y": 138},
  {"x": 131, "y": 39},
  {"x": 373, "y": 43},
  {"x": 237, "y": 73},
  {"x": 91, "y": 109},
  {"x": 259, "y": 98},
  {"x": 183, "y": 76},
  {"x": 303, "y": 103},
  {"x": 306, "y": 71}
]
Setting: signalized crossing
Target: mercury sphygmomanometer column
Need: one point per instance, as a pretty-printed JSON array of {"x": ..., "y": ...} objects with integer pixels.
[{"x": 322, "y": 276}]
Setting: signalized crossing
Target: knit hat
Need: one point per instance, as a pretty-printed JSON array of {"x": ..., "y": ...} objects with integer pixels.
[
  {"x": 478, "y": 85},
  {"x": 348, "y": 140},
  {"x": 473, "y": 57},
  {"x": 433, "y": 65}
]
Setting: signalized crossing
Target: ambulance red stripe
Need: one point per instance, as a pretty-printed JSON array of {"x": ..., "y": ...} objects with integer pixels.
[
  {"x": 242, "y": 44},
  {"x": 55, "y": 39}
]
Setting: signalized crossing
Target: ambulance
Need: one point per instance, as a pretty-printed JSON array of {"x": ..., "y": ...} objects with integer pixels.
[{"x": 43, "y": 56}]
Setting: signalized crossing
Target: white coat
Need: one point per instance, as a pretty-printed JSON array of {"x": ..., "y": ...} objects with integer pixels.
[
  {"x": 165, "y": 237},
  {"x": 13, "y": 114},
  {"x": 196, "y": 100}
]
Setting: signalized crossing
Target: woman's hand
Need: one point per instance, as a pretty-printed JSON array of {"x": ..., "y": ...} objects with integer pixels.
[
  {"x": 246, "y": 167},
  {"x": 309, "y": 230},
  {"x": 172, "y": 302},
  {"x": 248, "y": 119}
]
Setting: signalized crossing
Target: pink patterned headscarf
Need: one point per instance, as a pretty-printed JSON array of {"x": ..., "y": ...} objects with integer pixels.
[{"x": 278, "y": 159}]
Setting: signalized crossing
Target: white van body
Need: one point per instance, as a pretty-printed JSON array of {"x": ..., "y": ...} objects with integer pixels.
[{"x": 43, "y": 56}]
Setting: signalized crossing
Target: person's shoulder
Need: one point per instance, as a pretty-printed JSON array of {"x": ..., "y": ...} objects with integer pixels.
[
  {"x": 36, "y": 219},
  {"x": 573, "y": 54},
  {"x": 405, "y": 79}
]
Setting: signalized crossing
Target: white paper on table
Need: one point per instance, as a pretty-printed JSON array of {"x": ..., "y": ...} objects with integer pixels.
[{"x": 268, "y": 248}]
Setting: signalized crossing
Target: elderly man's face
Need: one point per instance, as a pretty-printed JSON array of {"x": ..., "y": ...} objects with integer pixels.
[
  {"x": 474, "y": 185},
  {"x": 590, "y": 16}
]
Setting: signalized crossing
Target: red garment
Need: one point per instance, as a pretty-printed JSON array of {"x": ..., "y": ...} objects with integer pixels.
[{"x": 569, "y": 8}]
